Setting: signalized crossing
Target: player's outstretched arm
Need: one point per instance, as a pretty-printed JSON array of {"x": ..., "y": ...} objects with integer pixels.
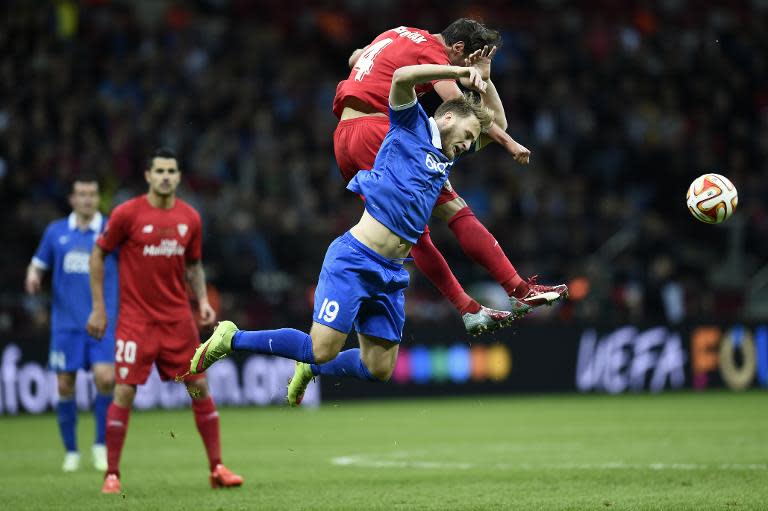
[
  {"x": 406, "y": 78},
  {"x": 196, "y": 279},
  {"x": 97, "y": 320}
]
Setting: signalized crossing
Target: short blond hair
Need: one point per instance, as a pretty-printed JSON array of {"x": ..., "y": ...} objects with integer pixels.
[{"x": 465, "y": 105}]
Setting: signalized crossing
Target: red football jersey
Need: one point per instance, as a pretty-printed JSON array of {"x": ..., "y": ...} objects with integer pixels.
[
  {"x": 371, "y": 78},
  {"x": 155, "y": 245}
]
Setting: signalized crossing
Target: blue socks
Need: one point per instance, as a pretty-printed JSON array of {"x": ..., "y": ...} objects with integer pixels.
[
  {"x": 100, "y": 405},
  {"x": 285, "y": 342},
  {"x": 297, "y": 345},
  {"x": 347, "y": 363},
  {"x": 66, "y": 413}
]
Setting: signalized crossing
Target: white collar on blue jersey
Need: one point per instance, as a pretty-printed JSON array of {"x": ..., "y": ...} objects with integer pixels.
[
  {"x": 95, "y": 224},
  {"x": 435, "y": 133}
]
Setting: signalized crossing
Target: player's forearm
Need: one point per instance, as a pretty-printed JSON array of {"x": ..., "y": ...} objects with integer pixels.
[
  {"x": 492, "y": 100},
  {"x": 96, "y": 272},
  {"x": 408, "y": 76},
  {"x": 196, "y": 279}
]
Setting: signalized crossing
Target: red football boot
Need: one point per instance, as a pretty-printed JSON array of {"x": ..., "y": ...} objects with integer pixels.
[
  {"x": 111, "y": 484},
  {"x": 222, "y": 477}
]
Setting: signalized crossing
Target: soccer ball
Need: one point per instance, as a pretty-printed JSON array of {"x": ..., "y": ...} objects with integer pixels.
[{"x": 712, "y": 198}]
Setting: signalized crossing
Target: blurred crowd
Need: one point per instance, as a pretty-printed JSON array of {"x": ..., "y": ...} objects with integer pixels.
[{"x": 623, "y": 104}]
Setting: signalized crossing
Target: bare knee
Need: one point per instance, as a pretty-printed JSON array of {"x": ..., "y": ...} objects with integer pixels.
[
  {"x": 124, "y": 395},
  {"x": 197, "y": 389},
  {"x": 382, "y": 373},
  {"x": 380, "y": 366},
  {"x": 326, "y": 342},
  {"x": 324, "y": 352},
  {"x": 104, "y": 378},
  {"x": 66, "y": 385}
]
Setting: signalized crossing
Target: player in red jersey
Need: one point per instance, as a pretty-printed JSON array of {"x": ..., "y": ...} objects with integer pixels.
[
  {"x": 361, "y": 106},
  {"x": 160, "y": 241}
]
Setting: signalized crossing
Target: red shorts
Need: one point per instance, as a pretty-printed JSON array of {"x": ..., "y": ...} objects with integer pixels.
[
  {"x": 170, "y": 346},
  {"x": 356, "y": 142}
]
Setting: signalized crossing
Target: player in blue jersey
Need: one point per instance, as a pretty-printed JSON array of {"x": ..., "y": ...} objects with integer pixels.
[
  {"x": 362, "y": 281},
  {"x": 64, "y": 251}
]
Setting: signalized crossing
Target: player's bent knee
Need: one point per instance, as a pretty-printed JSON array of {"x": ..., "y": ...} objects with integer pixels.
[
  {"x": 124, "y": 395},
  {"x": 66, "y": 385},
  {"x": 197, "y": 389},
  {"x": 324, "y": 352},
  {"x": 382, "y": 374}
]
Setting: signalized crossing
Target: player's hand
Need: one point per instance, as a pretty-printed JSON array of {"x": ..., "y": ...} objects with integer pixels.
[
  {"x": 481, "y": 59},
  {"x": 97, "y": 323},
  {"x": 520, "y": 153},
  {"x": 32, "y": 282},
  {"x": 473, "y": 80},
  {"x": 207, "y": 314}
]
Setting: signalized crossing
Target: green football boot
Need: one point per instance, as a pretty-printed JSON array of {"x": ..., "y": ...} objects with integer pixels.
[
  {"x": 218, "y": 346},
  {"x": 297, "y": 385}
]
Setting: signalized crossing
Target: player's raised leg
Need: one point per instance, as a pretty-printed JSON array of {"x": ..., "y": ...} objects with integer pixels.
[
  {"x": 482, "y": 247},
  {"x": 329, "y": 342}
]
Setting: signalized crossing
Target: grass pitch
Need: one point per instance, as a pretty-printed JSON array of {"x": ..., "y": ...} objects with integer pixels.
[{"x": 665, "y": 452}]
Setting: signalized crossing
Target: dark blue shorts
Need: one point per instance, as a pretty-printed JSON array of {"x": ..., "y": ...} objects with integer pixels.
[
  {"x": 75, "y": 349},
  {"x": 358, "y": 287}
]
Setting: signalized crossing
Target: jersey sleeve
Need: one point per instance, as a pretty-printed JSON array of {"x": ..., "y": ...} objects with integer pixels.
[
  {"x": 405, "y": 116},
  {"x": 194, "y": 251},
  {"x": 116, "y": 231},
  {"x": 43, "y": 258}
]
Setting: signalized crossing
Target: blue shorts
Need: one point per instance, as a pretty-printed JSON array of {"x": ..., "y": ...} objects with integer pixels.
[
  {"x": 359, "y": 287},
  {"x": 75, "y": 349}
]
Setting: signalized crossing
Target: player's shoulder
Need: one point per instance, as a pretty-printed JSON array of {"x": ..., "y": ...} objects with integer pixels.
[
  {"x": 57, "y": 226},
  {"x": 187, "y": 209},
  {"x": 128, "y": 206}
]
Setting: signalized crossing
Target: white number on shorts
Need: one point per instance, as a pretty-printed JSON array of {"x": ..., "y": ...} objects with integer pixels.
[
  {"x": 58, "y": 360},
  {"x": 125, "y": 351},
  {"x": 329, "y": 310},
  {"x": 364, "y": 62}
]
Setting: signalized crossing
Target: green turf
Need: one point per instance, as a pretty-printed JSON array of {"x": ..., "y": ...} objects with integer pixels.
[{"x": 672, "y": 451}]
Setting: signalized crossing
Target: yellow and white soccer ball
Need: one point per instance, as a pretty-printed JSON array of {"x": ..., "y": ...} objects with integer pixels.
[{"x": 712, "y": 198}]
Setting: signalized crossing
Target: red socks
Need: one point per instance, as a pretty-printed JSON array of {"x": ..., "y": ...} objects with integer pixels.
[
  {"x": 431, "y": 263},
  {"x": 117, "y": 426},
  {"x": 482, "y": 247},
  {"x": 207, "y": 420}
]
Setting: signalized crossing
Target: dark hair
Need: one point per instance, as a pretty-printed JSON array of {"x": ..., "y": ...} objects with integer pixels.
[
  {"x": 82, "y": 178},
  {"x": 474, "y": 34},
  {"x": 162, "y": 152},
  {"x": 464, "y": 106}
]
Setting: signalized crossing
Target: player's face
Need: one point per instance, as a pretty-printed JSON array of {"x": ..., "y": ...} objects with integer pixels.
[
  {"x": 163, "y": 177},
  {"x": 457, "y": 133},
  {"x": 84, "y": 198}
]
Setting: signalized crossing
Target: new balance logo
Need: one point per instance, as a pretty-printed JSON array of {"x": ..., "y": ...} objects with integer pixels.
[{"x": 115, "y": 424}]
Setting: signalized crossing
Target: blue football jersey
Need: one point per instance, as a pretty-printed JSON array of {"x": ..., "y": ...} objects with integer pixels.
[
  {"x": 65, "y": 251},
  {"x": 410, "y": 169}
]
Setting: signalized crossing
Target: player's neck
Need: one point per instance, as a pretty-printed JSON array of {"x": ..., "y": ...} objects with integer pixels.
[
  {"x": 83, "y": 222},
  {"x": 161, "y": 201}
]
